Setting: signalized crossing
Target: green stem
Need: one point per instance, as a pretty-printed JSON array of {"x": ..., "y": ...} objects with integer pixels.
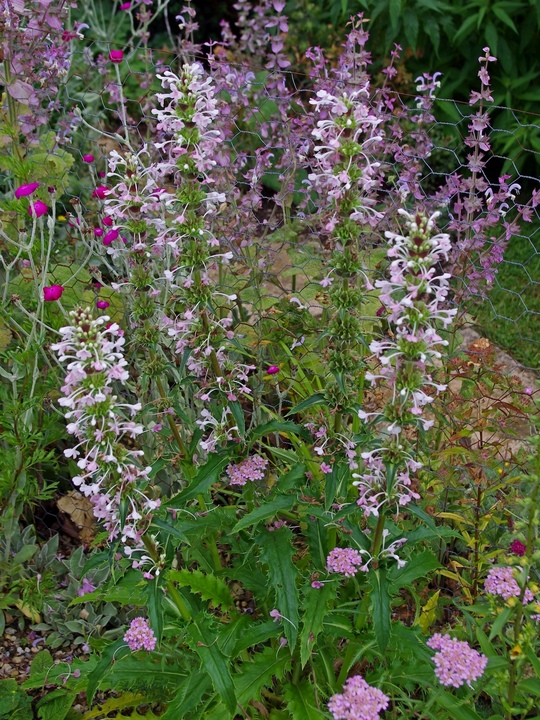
[
  {"x": 377, "y": 539},
  {"x": 172, "y": 424},
  {"x": 178, "y": 601}
]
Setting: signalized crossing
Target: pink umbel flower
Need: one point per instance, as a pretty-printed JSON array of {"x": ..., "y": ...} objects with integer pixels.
[
  {"x": 456, "y": 662},
  {"x": 116, "y": 56},
  {"x": 346, "y": 561},
  {"x": 24, "y": 190},
  {"x": 37, "y": 209},
  {"x": 249, "y": 470},
  {"x": 140, "y": 635},
  {"x": 358, "y": 701},
  {"x": 502, "y": 581},
  {"x": 52, "y": 293}
]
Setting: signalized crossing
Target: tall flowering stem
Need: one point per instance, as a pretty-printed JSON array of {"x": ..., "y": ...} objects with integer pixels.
[
  {"x": 413, "y": 298},
  {"x": 112, "y": 476},
  {"x": 345, "y": 175}
]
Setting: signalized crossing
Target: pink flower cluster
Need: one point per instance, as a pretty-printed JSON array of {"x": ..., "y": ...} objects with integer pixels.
[
  {"x": 140, "y": 635},
  {"x": 346, "y": 561},
  {"x": 111, "y": 475},
  {"x": 413, "y": 298},
  {"x": 249, "y": 470},
  {"x": 501, "y": 581},
  {"x": 344, "y": 171},
  {"x": 359, "y": 701},
  {"x": 456, "y": 662}
]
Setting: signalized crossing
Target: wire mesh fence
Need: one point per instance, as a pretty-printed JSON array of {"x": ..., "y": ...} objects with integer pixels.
[{"x": 278, "y": 237}]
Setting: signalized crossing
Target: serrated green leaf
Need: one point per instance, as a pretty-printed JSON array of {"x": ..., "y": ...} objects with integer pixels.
[
  {"x": 207, "y": 475},
  {"x": 279, "y": 426},
  {"x": 317, "y": 607},
  {"x": 459, "y": 712},
  {"x": 114, "y": 651},
  {"x": 189, "y": 695},
  {"x": 239, "y": 417},
  {"x": 418, "y": 566},
  {"x": 268, "y": 509},
  {"x": 213, "y": 661},
  {"x": 316, "y": 399},
  {"x": 289, "y": 480},
  {"x": 277, "y": 552},
  {"x": 260, "y": 673},
  {"x": 55, "y": 705},
  {"x": 209, "y": 587},
  {"x": 380, "y": 602},
  {"x": 301, "y": 702},
  {"x": 41, "y": 662}
]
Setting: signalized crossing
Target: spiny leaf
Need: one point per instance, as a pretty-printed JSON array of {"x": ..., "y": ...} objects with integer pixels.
[
  {"x": 260, "y": 673},
  {"x": 277, "y": 552},
  {"x": 188, "y": 697},
  {"x": 317, "y": 606},
  {"x": 268, "y": 509},
  {"x": 300, "y": 702},
  {"x": 213, "y": 661},
  {"x": 209, "y": 587},
  {"x": 380, "y": 600},
  {"x": 208, "y": 474}
]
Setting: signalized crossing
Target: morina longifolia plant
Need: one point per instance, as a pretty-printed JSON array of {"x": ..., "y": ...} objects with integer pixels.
[{"x": 276, "y": 510}]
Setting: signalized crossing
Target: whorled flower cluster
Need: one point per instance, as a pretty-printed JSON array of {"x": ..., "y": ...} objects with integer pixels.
[
  {"x": 111, "y": 476},
  {"x": 413, "y": 298},
  {"x": 358, "y": 701},
  {"x": 456, "y": 663}
]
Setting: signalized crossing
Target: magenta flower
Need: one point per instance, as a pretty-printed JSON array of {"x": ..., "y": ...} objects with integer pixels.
[
  {"x": 140, "y": 635},
  {"x": 52, "y": 293},
  {"x": 358, "y": 700},
  {"x": 24, "y": 190},
  {"x": 100, "y": 192},
  {"x": 88, "y": 158},
  {"x": 102, "y": 304},
  {"x": 116, "y": 56},
  {"x": 110, "y": 237},
  {"x": 108, "y": 221},
  {"x": 125, "y": 6},
  {"x": 37, "y": 209},
  {"x": 273, "y": 370},
  {"x": 98, "y": 232}
]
